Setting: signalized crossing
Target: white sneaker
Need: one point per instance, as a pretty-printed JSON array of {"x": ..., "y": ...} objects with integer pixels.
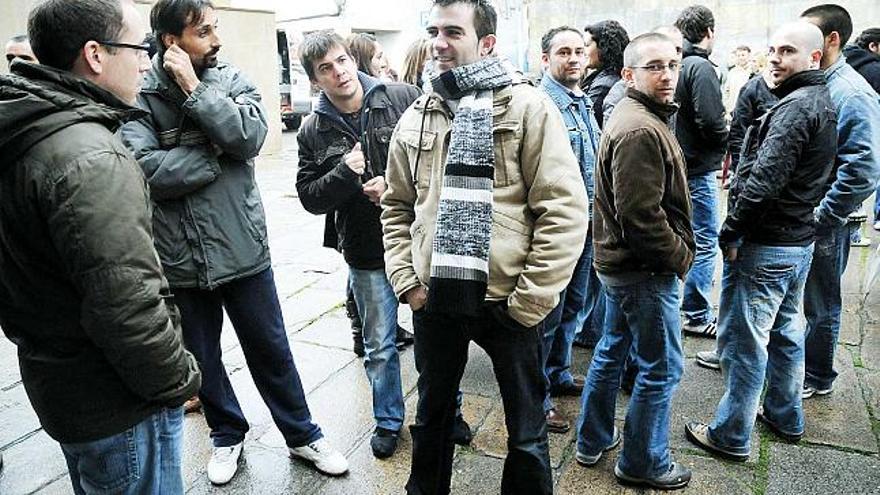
[
  {"x": 224, "y": 463},
  {"x": 325, "y": 458}
]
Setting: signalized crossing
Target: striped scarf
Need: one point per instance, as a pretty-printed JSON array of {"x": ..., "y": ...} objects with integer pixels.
[{"x": 460, "y": 253}]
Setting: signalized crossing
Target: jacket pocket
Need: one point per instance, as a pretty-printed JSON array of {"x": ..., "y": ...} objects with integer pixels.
[
  {"x": 506, "y": 138},
  {"x": 420, "y": 154},
  {"x": 508, "y": 249}
]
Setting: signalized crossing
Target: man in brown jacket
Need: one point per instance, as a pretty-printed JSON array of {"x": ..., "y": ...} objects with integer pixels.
[
  {"x": 644, "y": 247},
  {"x": 482, "y": 231}
]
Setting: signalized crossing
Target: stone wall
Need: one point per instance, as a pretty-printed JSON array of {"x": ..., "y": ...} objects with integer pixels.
[{"x": 248, "y": 38}]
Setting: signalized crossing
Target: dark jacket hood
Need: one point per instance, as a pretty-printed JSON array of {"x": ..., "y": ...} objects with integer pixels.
[
  {"x": 858, "y": 57},
  {"x": 689, "y": 49},
  {"x": 806, "y": 78},
  {"x": 36, "y": 101}
]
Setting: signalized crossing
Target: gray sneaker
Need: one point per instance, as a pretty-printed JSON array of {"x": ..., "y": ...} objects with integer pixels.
[
  {"x": 698, "y": 434},
  {"x": 591, "y": 460},
  {"x": 676, "y": 477},
  {"x": 709, "y": 359},
  {"x": 813, "y": 391},
  {"x": 708, "y": 329}
]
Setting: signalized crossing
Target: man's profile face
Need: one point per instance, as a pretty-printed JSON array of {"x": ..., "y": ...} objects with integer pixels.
[
  {"x": 787, "y": 56},
  {"x": 19, "y": 50},
  {"x": 566, "y": 60},
  {"x": 658, "y": 85},
  {"x": 453, "y": 36},
  {"x": 125, "y": 67},
  {"x": 336, "y": 73},
  {"x": 200, "y": 40}
]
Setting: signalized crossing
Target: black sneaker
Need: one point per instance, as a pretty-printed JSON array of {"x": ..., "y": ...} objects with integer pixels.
[
  {"x": 708, "y": 329},
  {"x": 461, "y": 432},
  {"x": 676, "y": 477},
  {"x": 383, "y": 443},
  {"x": 788, "y": 437},
  {"x": 357, "y": 337},
  {"x": 403, "y": 338}
]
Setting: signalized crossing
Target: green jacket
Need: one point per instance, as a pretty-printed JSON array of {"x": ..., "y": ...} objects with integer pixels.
[
  {"x": 197, "y": 154},
  {"x": 82, "y": 294}
]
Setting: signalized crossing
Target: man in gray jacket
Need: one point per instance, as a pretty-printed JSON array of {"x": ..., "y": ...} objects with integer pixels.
[{"x": 197, "y": 149}]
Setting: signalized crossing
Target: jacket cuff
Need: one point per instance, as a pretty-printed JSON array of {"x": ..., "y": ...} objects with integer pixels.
[
  {"x": 528, "y": 313},
  {"x": 194, "y": 96}
]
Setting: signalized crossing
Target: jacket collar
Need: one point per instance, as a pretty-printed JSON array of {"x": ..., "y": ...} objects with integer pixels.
[
  {"x": 157, "y": 80},
  {"x": 689, "y": 49},
  {"x": 374, "y": 97},
  {"x": 561, "y": 96},
  {"x": 835, "y": 67},
  {"x": 813, "y": 77},
  {"x": 661, "y": 110}
]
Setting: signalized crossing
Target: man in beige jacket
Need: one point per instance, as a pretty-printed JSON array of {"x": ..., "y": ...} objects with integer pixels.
[{"x": 484, "y": 218}]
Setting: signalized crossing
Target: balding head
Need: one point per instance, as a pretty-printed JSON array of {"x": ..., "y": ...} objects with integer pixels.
[{"x": 794, "y": 47}]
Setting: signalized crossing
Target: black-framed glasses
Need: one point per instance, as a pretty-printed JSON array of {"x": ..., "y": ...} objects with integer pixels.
[
  {"x": 145, "y": 47},
  {"x": 658, "y": 68}
]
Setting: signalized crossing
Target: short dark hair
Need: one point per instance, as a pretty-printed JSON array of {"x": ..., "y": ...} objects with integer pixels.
[
  {"x": 611, "y": 39},
  {"x": 743, "y": 48},
  {"x": 868, "y": 36},
  {"x": 18, "y": 38},
  {"x": 362, "y": 46},
  {"x": 58, "y": 29},
  {"x": 547, "y": 39},
  {"x": 832, "y": 18},
  {"x": 173, "y": 16},
  {"x": 315, "y": 46},
  {"x": 631, "y": 56},
  {"x": 694, "y": 22},
  {"x": 485, "y": 18}
]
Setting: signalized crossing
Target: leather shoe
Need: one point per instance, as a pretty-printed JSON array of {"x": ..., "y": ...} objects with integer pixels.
[{"x": 556, "y": 422}]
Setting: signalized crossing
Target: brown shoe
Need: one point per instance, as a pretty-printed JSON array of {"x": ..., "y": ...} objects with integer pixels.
[
  {"x": 556, "y": 422},
  {"x": 572, "y": 389},
  {"x": 192, "y": 405}
]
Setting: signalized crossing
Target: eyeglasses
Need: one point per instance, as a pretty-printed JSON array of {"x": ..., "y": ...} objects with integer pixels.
[
  {"x": 658, "y": 68},
  {"x": 143, "y": 47}
]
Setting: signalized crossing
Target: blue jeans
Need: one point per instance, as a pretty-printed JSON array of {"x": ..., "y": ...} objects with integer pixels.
[
  {"x": 441, "y": 353},
  {"x": 645, "y": 316},
  {"x": 696, "y": 306},
  {"x": 560, "y": 326},
  {"x": 823, "y": 304},
  {"x": 252, "y": 306},
  {"x": 591, "y": 317},
  {"x": 377, "y": 306},
  {"x": 761, "y": 337},
  {"x": 144, "y": 459}
]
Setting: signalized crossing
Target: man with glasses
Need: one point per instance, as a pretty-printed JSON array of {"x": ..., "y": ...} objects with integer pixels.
[
  {"x": 197, "y": 148},
  {"x": 82, "y": 294},
  {"x": 767, "y": 241},
  {"x": 643, "y": 247},
  {"x": 19, "y": 48}
]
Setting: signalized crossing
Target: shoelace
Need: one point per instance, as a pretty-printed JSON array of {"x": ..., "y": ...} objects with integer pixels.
[{"x": 223, "y": 454}]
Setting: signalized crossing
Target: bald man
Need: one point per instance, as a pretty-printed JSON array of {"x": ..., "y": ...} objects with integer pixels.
[
  {"x": 19, "y": 48},
  {"x": 767, "y": 243}
]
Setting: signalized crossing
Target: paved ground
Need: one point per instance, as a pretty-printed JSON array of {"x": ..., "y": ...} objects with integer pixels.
[{"x": 838, "y": 455}]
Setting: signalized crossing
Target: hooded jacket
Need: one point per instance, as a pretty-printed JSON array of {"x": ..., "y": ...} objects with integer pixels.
[
  {"x": 324, "y": 182},
  {"x": 81, "y": 291},
  {"x": 865, "y": 63},
  {"x": 700, "y": 125},
  {"x": 198, "y": 153},
  {"x": 786, "y": 160}
]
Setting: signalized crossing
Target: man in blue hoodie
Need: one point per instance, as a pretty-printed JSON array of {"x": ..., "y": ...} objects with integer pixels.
[{"x": 857, "y": 169}]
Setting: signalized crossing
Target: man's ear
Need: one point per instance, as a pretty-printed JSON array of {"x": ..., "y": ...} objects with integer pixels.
[
  {"x": 93, "y": 57},
  {"x": 832, "y": 39},
  {"x": 167, "y": 40},
  {"x": 815, "y": 58},
  {"x": 545, "y": 60},
  {"x": 487, "y": 45},
  {"x": 628, "y": 77}
]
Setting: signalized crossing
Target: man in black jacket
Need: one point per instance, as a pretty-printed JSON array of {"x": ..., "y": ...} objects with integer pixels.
[
  {"x": 767, "y": 241},
  {"x": 702, "y": 133},
  {"x": 82, "y": 294},
  {"x": 343, "y": 150},
  {"x": 864, "y": 56}
]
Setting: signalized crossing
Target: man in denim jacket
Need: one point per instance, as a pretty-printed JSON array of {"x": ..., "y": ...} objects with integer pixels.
[
  {"x": 857, "y": 167},
  {"x": 564, "y": 60}
]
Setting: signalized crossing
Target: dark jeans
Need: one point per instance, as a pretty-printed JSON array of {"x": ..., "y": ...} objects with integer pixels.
[
  {"x": 441, "y": 351},
  {"x": 823, "y": 304},
  {"x": 252, "y": 305}
]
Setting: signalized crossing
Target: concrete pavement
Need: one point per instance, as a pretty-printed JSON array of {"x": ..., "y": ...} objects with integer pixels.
[{"x": 839, "y": 453}]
